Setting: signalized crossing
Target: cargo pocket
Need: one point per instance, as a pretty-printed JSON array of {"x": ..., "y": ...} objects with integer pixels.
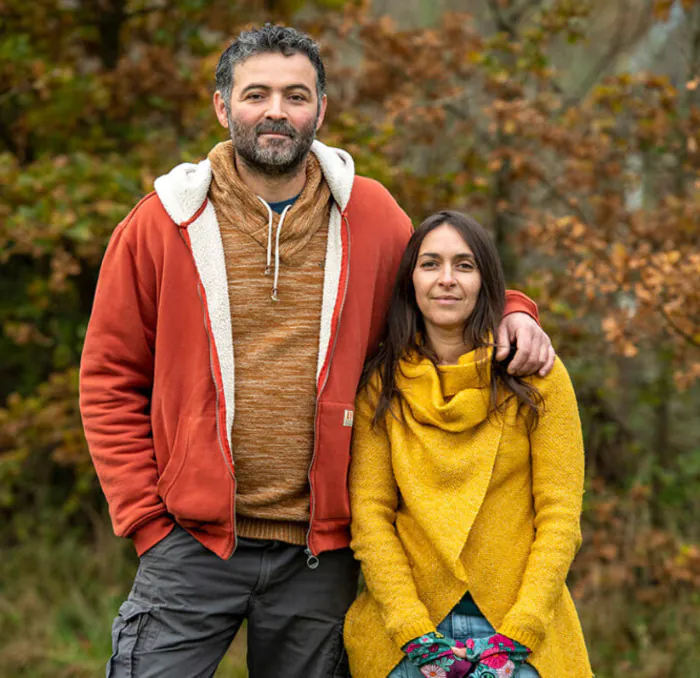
[{"x": 134, "y": 627}]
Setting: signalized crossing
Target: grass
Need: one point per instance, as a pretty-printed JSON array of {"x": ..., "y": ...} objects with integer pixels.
[{"x": 58, "y": 598}]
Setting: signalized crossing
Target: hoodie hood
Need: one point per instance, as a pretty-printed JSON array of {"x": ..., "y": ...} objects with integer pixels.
[{"x": 184, "y": 189}]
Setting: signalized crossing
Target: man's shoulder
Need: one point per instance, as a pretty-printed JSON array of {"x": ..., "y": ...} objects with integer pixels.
[
  {"x": 366, "y": 187},
  {"x": 146, "y": 219},
  {"x": 372, "y": 202}
]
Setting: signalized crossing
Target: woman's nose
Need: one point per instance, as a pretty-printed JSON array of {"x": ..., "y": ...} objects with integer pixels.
[{"x": 447, "y": 277}]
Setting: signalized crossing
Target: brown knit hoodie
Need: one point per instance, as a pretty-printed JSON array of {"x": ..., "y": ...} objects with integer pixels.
[{"x": 275, "y": 342}]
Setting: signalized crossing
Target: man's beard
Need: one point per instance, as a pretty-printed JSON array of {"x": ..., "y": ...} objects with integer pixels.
[{"x": 278, "y": 157}]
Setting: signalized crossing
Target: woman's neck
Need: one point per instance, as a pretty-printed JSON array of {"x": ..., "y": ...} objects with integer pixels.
[{"x": 448, "y": 345}]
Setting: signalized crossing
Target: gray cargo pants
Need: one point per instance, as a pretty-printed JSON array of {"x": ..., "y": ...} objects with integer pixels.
[{"x": 187, "y": 604}]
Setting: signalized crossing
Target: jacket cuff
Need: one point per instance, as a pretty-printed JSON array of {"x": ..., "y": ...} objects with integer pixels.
[
  {"x": 517, "y": 302},
  {"x": 412, "y": 631},
  {"x": 527, "y": 637},
  {"x": 150, "y": 533}
]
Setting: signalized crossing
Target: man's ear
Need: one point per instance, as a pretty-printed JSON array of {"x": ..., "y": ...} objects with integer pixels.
[
  {"x": 220, "y": 109},
  {"x": 321, "y": 111}
]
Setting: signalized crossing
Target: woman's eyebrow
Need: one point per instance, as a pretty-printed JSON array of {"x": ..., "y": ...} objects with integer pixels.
[{"x": 461, "y": 255}]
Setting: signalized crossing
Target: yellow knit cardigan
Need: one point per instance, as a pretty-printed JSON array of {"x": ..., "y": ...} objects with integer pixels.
[{"x": 449, "y": 500}]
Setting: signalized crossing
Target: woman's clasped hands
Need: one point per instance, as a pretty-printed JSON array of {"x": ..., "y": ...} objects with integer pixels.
[{"x": 437, "y": 656}]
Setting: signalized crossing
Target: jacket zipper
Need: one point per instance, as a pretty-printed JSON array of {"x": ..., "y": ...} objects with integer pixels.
[
  {"x": 229, "y": 466},
  {"x": 312, "y": 560}
]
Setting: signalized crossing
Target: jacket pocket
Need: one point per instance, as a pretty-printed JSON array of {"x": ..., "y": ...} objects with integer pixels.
[
  {"x": 176, "y": 461},
  {"x": 330, "y": 471},
  {"x": 198, "y": 490}
]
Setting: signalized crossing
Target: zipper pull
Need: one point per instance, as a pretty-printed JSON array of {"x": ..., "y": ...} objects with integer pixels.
[{"x": 312, "y": 561}]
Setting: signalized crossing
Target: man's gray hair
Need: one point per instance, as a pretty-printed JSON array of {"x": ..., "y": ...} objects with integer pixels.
[{"x": 269, "y": 38}]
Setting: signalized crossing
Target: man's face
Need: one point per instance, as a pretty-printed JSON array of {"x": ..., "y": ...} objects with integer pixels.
[{"x": 274, "y": 112}]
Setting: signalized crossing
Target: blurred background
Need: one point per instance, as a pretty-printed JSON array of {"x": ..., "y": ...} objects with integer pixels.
[{"x": 570, "y": 128}]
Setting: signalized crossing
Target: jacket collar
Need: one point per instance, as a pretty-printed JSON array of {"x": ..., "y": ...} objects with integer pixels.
[{"x": 184, "y": 189}]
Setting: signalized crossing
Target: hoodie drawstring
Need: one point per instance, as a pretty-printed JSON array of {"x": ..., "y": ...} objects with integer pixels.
[{"x": 275, "y": 282}]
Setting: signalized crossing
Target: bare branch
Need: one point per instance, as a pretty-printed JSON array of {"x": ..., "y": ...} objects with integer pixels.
[
  {"x": 616, "y": 46},
  {"x": 517, "y": 16},
  {"x": 682, "y": 333},
  {"x": 558, "y": 195},
  {"x": 502, "y": 24}
]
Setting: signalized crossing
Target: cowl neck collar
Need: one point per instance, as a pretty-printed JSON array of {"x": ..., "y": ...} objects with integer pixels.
[{"x": 451, "y": 397}]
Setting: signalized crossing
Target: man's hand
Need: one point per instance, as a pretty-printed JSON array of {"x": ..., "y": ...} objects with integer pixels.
[{"x": 535, "y": 352}]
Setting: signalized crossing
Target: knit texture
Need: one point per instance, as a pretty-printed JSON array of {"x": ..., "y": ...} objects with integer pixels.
[
  {"x": 450, "y": 499},
  {"x": 275, "y": 344}
]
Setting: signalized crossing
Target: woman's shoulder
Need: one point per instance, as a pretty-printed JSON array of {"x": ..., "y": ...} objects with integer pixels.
[{"x": 557, "y": 380}]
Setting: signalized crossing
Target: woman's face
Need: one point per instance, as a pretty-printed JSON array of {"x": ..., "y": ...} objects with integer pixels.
[{"x": 446, "y": 280}]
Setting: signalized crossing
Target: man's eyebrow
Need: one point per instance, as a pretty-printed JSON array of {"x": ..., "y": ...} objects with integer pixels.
[
  {"x": 299, "y": 86},
  {"x": 267, "y": 88},
  {"x": 255, "y": 85}
]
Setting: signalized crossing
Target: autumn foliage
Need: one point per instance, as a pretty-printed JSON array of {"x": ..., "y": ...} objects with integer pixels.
[{"x": 568, "y": 128}]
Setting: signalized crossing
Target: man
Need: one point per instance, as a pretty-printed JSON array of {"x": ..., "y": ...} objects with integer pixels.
[{"x": 270, "y": 251}]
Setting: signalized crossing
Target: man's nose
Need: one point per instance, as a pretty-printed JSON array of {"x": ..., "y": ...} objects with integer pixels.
[{"x": 275, "y": 109}]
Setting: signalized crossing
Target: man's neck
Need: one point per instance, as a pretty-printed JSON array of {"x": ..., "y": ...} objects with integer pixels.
[{"x": 272, "y": 189}]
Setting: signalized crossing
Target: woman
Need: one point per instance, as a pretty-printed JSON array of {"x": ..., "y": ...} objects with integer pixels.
[{"x": 465, "y": 484}]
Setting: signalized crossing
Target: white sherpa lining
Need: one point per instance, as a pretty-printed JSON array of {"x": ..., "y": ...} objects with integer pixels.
[
  {"x": 182, "y": 192},
  {"x": 208, "y": 252},
  {"x": 339, "y": 171}
]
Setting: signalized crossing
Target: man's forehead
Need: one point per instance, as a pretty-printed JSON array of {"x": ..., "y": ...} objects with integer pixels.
[{"x": 275, "y": 70}]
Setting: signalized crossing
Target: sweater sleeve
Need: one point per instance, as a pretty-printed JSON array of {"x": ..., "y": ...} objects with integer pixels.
[
  {"x": 556, "y": 450},
  {"x": 116, "y": 378},
  {"x": 374, "y": 499},
  {"x": 517, "y": 302}
]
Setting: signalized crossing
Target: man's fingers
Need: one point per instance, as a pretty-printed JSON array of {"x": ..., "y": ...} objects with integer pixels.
[
  {"x": 460, "y": 652},
  {"x": 503, "y": 342},
  {"x": 522, "y": 355},
  {"x": 549, "y": 364},
  {"x": 543, "y": 356}
]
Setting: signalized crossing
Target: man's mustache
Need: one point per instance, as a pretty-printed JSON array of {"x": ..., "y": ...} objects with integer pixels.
[{"x": 273, "y": 127}]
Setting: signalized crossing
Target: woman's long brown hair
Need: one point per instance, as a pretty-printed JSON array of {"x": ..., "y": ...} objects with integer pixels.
[{"x": 405, "y": 329}]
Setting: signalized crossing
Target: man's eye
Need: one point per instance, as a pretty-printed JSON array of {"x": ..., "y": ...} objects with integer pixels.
[
  {"x": 254, "y": 97},
  {"x": 297, "y": 97}
]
